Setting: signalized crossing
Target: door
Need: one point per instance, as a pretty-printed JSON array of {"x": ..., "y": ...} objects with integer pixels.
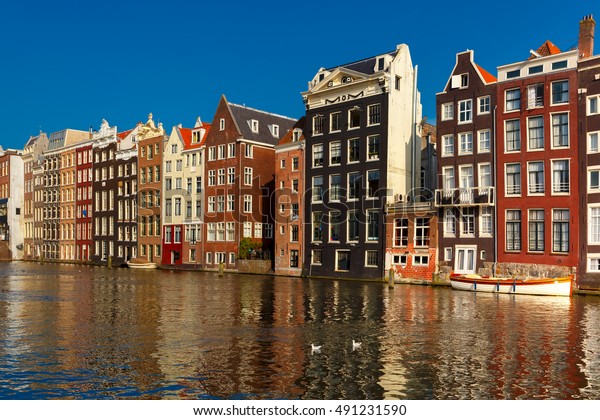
[{"x": 465, "y": 260}]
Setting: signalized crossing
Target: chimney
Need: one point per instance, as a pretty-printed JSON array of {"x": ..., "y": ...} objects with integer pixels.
[{"x": 586, "y": 36}]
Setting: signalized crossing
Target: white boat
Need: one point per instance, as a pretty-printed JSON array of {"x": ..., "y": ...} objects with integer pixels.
[
  {"x": 548, "y": 286},
  {"x": 140, "y": 263}
]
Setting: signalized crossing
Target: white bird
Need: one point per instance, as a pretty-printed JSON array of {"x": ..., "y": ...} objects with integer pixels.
[
  {"x": 315, "y": 348},
  {"x": 355, "y": 345}
]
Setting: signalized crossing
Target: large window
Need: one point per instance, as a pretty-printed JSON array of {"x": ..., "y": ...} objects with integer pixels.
[
  {"x": 560, "y": 92},
  {"x": 354, "y": 185},
  {"x": 513, "y": 179},
  {"x": 535, "y": 172},
  {"x": 353, "y": 150},
  {"x": 592, "y": 142},
  {"x": 513, "y": 230},
  {"x": 373, "y": 147},
  {"x": 447, "y": 111},
  {"x": 535, "y": 95},
  {"x": 484, "y": 106},
  {"x": 372, "y": 225},
  {"x": 335, "y": 153},
  {"x": 485, "y": 225},
  {"x": 318, "y": 122},
  {"x": 513, "y": 135},
  {"x": 592, "y": 105},
  {"x": 536, "y": 230},
  {"x": 353, "y": 226},
  {"x": 560, "y": 230},
  {"x": 594, "y": 226},
  {"x": 422, "y": 231},
  {"x": 335, "y": 187},
  {"x": 335, "y": 220},
  {"x": 317, "y": 191},
  {"x": 448, "y": 145},
  {"x": 374, "y": 112},
  {"x": 400, "y": 232},
  {"x": 317, "y": 226},
  {"x": 560, "y": 130},
  {"x": 317, "y": 155},
  {"x": 535, "y": 132},
  {"x": 342, "y": 261},
  {"x": 335, "y": 122},
  {"x": 465, "y": 143},
  {"x": 372, "y": 183},
  {"x": 467, "y": 221},
  {"x": 484, "y": 141},
  {"x": 465, "y": 111},
  {"x": 513, "y": 100},
  {"x": 354, "y": 118},
  {"x": 560, "y": 176}
]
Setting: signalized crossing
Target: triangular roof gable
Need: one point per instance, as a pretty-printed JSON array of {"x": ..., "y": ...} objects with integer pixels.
[
  {"x": 546, "y": 49},
  {"x": 485, "y": 77},
  {"x": 337, "y": 78}
]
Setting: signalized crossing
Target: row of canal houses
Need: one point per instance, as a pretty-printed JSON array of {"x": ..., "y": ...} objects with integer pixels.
[{"x": 360, "y": 186}]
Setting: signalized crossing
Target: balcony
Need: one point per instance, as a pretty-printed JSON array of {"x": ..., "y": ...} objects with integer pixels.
[{"x": 472, "y": 196}]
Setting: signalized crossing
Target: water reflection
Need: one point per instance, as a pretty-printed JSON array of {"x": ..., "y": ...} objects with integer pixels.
[{"x": 85, "y": 332}]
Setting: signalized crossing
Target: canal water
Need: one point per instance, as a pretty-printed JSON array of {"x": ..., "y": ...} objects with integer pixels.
[{"x": 82, "y": 332}]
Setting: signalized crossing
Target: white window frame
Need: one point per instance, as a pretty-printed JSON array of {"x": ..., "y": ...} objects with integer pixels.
[
  {"x": 466, "y": 249},
  {"x": 448, "y": 253},
  {"x": 588, "y": 105},
  {"x": 480, "y": 134},
  {"x": 506, "y": 101},
  {"x": 529, "y": 148},
  {"x": 590, "y": 224},
  {"x": 465, "y": 116},
  {"x": 447, "y": 111},
  {"x": 552, "y": 146},
  {"x": 591, "y": 169},
  {"x": 552, "y": 91},
  {"x": 543, "y": 185},
  {"x": 588, "y": 142},
  {"x": 465, "y": 151},
  {"x": 553, "y": 192},
  {"x": 591, "y": 257},
  {"x": 485, "y": 101},
  {"x": 513, "y": 194},
  {"x": 447, "y": 144},
  {"x": 367, "y": 252}
]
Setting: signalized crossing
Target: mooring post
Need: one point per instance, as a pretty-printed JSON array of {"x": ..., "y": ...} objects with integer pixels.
[
  {"x": 391, "y": 278},
  {"x": 221, "y": 269}
]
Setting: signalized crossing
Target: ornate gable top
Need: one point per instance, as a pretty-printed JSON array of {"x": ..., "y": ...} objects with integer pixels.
[{"x": 149, "y": 130}]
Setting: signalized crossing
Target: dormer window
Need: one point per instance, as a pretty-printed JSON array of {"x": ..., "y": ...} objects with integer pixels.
[
  {"x": 274, "y": 130},
  {"x": 254, "y": 126},
  {"x": 196, "y": 137},
  {"x": 296, "y": 134},
  {"x": 380, "y": 63},
  {"x": 460, "y": 81}
]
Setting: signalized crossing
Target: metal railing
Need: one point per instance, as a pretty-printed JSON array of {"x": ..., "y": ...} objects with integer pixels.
[{"x": 472, "y": 196}]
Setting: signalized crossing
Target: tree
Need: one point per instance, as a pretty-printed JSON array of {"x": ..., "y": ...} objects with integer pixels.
[{"x": 248, "y": 246}]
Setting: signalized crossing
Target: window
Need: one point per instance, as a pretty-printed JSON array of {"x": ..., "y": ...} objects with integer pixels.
[
  {"x": 294, "y": 230},
  {"x": 513, "y": 178},
  {"x": 373, "y": 147},
  {"x": 485, "y": 221},
  {"x": 211, "y": 232},
  {"x": 592, "y": 105},
  {"x": 484, "y": 105},
  {"x": 592, "y": 142},
  {"x": 513, "y": 100},
  {"x": 513, "y": 230},
  {"x": 247, "y": 203},
  {"x": 317, "y": 188},
  {"x": 335, "y": 187},
  {"x": 168, "y": 234},
  {"x": 535, "y": 96},
  {"x": 178, "y": 206},
  {"x": 247, "y": 176},
  {"x": 212, "y": 153},
  {"x": 254, "y": 126},
  {"x": 593, "y": 180},
  {"x": 220, "y": 177},
  {"x": 594, "y": 226},
  {"x": 268, "y": 227},
  {"x": 560, "y": 176},
  {"x": 247, "y": 229},
  {"x": 371, "y": 259},
  {"x": 536, "y": 230},
  {"x": 372, "y": 225},
  {"x": 221, "y": 203},
  {"x": 467, "y": 221},
  {"x": 177, "y": 234},
  {"x": 448, "y": 254},
  {"x": 353, "y": 226},
  {"x": 282, "y": 163},
  {"x": 485, "y": 175},
  {"x": 294, "y": 185},
  {"x": 222, "y": 124},
  {"x": 335, "y": 219},
  {"x": 535, "y": 172},
  {"x": 317, "y": 155},
  {"x": 465, "y": 143},
  {"x": 513, "y": 135},
  {"x": 449, "y": 223},
  {"x": 593, "y": 263},
  {"x": 399, "y": 260},
  {"x": 353, "y": 150},
  {"x": 448, "y": 145},
  {"x": 560, "y": 92},
  {"x": 295, "y": 163},
  {"x": 294, "y": 258},
  {"x": 258, "y": 230},
  {"x": 354, "y": 181},
  {"x": 465, "y": 111},
  {"x": 249, "y": 151},
  {"x": 335, "y": 122},
  {"x": 231, "y": 150},
  {"x": 230, "y": 202},
  {"x": 318, "y": 121},
  {"x": 421, "y": 260},
  {"x": 447, "y": 111},
  {"x": 535, "y": 132},
  {"x": 536, "y": 69},
  {"x": 400, "y": 232},
  {"x": 221, "y": 152},
  {"x": 448, "y": 178},
  {"x": 316, "y": 256},
  {"x": 230, "y": 175},
  {"x": 422, "y": 231},
  {"x": 560, "y": 230},
  {"x": 484, "y": 141},
  {"x": 354, "y": 118},
  {"x": 342, "y": 262},
  {"x": 212, "y": 178},
  {"x": 168, "y": 207},
  {"x": 560, "y": 130},
  {"x": 374, "y": 112},
  {"x": 372, "y": 183},
  {"x": 335, "y": 153},
  {"x": 317, "y": 226}
]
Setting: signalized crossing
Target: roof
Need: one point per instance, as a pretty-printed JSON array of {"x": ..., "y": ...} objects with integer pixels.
[
  {"x": 546, "y": 49},
  {"x": 288, "y": 137},
  {"x": 124, "y": 134},
  {"x": 487, "y": 77},
  {"x": 366, "y": 65},
  {"x": 244, "y": 115}
]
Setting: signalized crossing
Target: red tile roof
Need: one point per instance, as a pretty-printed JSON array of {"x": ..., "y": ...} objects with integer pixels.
[
  {"x": 288, "y": 137},
  {"x": 186, "y": 135},
  {"x": 124, "y": 134},
  {"x": 546, "y": 49},
  {"x": 485, "y": 74}
]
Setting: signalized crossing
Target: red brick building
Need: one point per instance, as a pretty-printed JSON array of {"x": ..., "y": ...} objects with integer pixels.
[
  {"x": 289, "y": 206},
  {"x": 411, "y": 240},
  {"x": 239, "y": 178},
  {"x": 537, "y": 161}
]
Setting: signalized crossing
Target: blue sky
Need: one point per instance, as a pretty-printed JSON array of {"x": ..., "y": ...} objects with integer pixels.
[{"x": 69, "y": 64}]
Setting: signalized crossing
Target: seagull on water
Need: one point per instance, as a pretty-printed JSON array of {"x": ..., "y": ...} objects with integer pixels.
[{"x": 355, "y": 345}]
